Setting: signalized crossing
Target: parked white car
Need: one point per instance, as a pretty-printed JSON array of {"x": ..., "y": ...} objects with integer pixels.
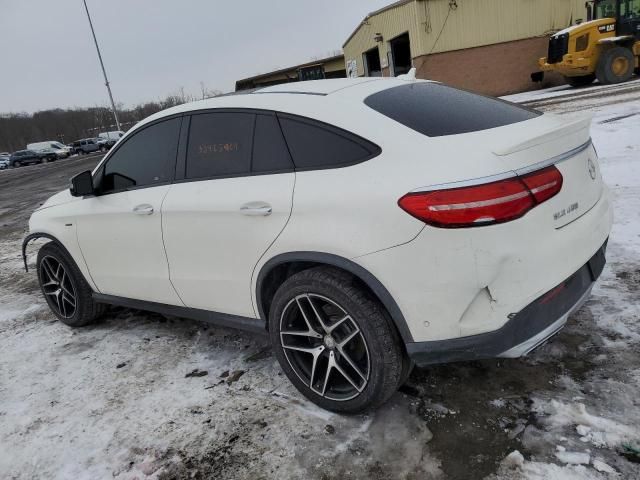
[
  {"x": 4, "y": 162},
  {"x": 60, "y": 150},
  {"x": 365, "y": 224}
]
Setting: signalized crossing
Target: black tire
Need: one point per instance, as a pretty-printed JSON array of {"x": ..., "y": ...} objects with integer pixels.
[
  {"x": 85, "y": 310},
  {"x": 375, "y": 339},
  {"x": 581, "y": 81},
  {"x": 16, "y": 164},
  {"x": 615, "y": 66}
]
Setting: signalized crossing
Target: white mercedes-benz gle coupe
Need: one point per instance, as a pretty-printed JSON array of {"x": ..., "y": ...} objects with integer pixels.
[{"x": 366, "y": 225}]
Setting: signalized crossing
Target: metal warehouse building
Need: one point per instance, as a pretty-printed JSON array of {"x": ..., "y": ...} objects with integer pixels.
[
  {"x": 331, "y": 67},
  {"x": 489, "y": 46}
]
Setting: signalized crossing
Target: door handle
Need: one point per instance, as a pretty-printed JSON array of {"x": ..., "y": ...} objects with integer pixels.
[
  {"x": 256, "y": 209},
  {"x": 143, "y": 209}
]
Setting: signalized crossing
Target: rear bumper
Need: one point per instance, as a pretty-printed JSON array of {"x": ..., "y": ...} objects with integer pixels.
[{"x": 525, "y": 330}]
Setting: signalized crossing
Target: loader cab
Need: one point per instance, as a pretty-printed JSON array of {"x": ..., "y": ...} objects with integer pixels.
[{"x": 626, "y": 13}]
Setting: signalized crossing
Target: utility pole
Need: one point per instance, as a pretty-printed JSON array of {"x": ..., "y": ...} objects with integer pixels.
[{"x": 104, "y": 72}]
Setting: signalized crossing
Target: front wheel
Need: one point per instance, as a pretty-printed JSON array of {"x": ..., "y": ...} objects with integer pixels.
[
  {"x": 334, "y": 341},
  {"x": 66, "y": 291}
]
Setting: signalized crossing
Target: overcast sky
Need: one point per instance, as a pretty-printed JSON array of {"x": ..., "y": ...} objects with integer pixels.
[{"x": 153, "y": 47}]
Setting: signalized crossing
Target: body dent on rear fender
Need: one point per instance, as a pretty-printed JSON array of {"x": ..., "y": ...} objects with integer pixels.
[{"x": 465, "y": 282}]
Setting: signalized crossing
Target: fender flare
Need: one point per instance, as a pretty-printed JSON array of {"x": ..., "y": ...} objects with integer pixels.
[
  {"x": 356, "y": 270},
  {"x": 33, "y": 236}
]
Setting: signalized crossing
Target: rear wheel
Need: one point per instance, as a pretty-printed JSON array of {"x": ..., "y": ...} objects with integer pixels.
[
  {"x": 334, "y": 342},
  {"x": 66, "y": 291},
  {"x": 580, "y": 81},
  {"x": 615, "y": 66}
]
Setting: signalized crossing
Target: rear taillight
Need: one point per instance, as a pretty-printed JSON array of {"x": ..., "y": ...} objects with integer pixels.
[{"x": 485, "y": 204}]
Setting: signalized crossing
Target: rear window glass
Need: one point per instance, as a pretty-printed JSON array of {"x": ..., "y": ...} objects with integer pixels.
[
  {"x": 315, "y": 146},
  {"x": 436, "y": 110},
  {"x": 219, "y": 144}
]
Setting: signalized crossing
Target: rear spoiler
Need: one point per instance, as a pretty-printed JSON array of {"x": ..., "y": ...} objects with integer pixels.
[{"x": 526, "y": 139}]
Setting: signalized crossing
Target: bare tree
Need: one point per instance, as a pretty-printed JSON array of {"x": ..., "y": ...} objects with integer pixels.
[{"x": 67, "y": 125}]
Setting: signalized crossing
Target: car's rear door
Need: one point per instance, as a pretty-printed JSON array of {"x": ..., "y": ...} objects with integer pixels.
[
  {"x": 120, "y": 229},
  {"x": 233, "y": 201}
]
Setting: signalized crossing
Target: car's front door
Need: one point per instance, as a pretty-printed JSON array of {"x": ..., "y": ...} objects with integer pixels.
[
  {"x": 234, "y": 200},
  {"x": 120, "y": 229}
]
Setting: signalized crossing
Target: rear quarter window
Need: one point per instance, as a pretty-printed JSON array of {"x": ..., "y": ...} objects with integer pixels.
[
  {"x": 437, "y": 110},
  {"x": 314, "y": 145}
]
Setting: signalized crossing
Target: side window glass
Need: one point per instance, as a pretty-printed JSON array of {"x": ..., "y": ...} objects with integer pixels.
[
  {"x": 318, "y": 146},
  {"x": 146, "y": 158},
  {"x": 219, "y": 144},
  {"x": 270, "y": 153}
]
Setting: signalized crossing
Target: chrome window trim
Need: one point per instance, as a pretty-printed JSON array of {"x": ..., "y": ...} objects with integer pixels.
[{"x": 509, "y": 174}]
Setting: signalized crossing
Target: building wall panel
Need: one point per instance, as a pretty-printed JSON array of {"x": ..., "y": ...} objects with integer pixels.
[{"x": 435, "y": 27}]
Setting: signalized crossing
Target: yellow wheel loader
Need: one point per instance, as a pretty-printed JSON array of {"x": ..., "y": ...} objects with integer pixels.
[{"x": 606, "y": 47}]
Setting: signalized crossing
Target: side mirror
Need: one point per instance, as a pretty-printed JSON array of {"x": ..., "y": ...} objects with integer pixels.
[{"x": 82, "y": 184}]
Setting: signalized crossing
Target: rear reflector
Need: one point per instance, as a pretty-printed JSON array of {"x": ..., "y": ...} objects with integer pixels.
[{"x": 486, "y": 204}]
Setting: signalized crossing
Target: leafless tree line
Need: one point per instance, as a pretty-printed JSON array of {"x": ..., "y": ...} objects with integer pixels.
[{"x": 66, "y": 125}]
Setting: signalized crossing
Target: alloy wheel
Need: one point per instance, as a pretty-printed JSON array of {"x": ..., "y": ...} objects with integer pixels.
[
  {"x": 57, "y": 287},
  {"x": 325, "y": 347}
]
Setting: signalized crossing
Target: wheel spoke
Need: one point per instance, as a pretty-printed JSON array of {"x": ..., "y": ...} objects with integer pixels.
[
  {"x": 51, "y": 293},
  {"x": 57, "y": 297},
  {"x": 317, "y": 315},
  {"x": 59, "y": 271},
  {"x": 329, "y": 368},
  {"x": 333, "y": 326},
  {"x": 311, "y": 350},
  {"x": 316, "y": 355},
  {"x": 69, "y": 299},
  {"x": 47, "y": 269},
  {"x": 65, "y": 288},
  {"x": 306, "y": 319},
  {"x": 348, "y": 377},
  {"x": 349, "y": 338},
  {"x": 344, "y": 355},
  {"x": 311, "y": 334}
]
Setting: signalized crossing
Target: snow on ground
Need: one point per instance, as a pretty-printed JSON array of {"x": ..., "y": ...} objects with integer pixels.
[
  {"x": 601, "y": 413},
  {"x": 114, "y": 400},
  {"x": 562, "y": 90}
]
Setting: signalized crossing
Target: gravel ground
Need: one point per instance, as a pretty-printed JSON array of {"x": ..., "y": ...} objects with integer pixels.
[{"x": 140, "y": 395}]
